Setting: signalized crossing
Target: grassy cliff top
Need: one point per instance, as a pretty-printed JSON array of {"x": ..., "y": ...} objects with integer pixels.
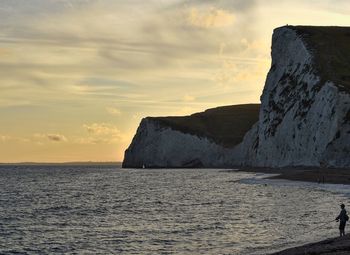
[
  {"x": 225, "y": 125},
  {"x": 331, "y": 48}
]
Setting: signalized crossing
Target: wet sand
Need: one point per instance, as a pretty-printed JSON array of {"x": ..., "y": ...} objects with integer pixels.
[
  {"x": 318, "y": 175},
  {"x": 334, "y": 246}
]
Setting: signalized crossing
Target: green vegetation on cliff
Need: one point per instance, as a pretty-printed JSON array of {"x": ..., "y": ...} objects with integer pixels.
[{"x": 224, "y": 125}]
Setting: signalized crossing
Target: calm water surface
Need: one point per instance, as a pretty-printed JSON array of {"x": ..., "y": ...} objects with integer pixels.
[{"x": 106, "y": 210}]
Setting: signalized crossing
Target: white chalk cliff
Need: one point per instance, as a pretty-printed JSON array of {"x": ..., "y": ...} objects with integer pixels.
[
  {"x": 205, "y": 139},
  {"x": 304, "y": 117},
  {"x": 158, "y": 146}
]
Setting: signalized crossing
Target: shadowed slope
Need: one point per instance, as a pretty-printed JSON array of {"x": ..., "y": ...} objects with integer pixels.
[{"x": 331, "y": 49}]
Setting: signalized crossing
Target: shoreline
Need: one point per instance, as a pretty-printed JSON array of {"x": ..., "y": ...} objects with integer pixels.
[
  {"x": 306, "y": 174},
  {"x": 334, "y": 246},
  {"x": 330, "y": 246}
]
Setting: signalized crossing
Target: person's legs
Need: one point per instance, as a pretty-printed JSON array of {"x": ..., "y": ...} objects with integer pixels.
[{"x": 342, "y": 228}]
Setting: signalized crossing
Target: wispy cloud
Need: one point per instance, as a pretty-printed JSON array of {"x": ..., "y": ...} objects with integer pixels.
[
  {"x": 51, "y": 137},
  {"x": 188, "y": 98},
  {"x": 102, "y": 133},
  {"x": 10, "y": 138},
  {"x": 210, "y": 18},
  {"x": 118, "y": 45},
  {"x": 93, "y": 140},
  {"x": 56, "y": 137},
  {"x": 4, "y": 138},
  {"x": 102, "y": 129},
  {"x": 113, "y": 111}
]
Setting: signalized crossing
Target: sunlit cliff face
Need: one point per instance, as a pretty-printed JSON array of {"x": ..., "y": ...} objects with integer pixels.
[{"x": 77, "y": 76}]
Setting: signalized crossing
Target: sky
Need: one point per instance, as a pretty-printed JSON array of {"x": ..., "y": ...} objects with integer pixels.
[{"x": 77, "y": 76}]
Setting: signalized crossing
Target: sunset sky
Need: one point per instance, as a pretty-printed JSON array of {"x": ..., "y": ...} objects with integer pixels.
[{"x": 77, "y": 76}]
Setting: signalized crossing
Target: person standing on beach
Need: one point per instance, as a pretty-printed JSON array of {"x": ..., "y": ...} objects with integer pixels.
[{"x": 343, "y": 218}]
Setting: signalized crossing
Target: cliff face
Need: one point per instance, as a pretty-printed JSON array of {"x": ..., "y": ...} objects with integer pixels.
[
  {"x": 304, "y": 118},
  {"x": 200, "y": 140},
  {"x": 159, "y": 146}
]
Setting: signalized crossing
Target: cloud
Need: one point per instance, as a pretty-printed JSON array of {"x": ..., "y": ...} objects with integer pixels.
[
  {"x": 185, "y": 110},
  {"x": 231, "y": 74},
  {"x": 102, "y": 133},
  {"x": 7, "y": 138},
  {"x": 56, "y": 137},
  {"x": 4, "y": 138},
  {"x": 128, "y": 49},
  {"x": 93, "y": 140},
  {"x": 188, "y": 98},
  {"x": 113, "y": 111},
  {"x": 51, "y": 137},
  {"x": 102, "y": 129},
  {"x": 237, "y": 5},
  {"x": 5, "y": 52},
  {"x": 210, "y": 18}
]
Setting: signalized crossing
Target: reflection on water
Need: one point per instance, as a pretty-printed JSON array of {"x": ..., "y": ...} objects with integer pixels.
[{"x": 104, "y": 210}]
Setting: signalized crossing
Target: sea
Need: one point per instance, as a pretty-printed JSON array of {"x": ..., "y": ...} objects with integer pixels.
[{"x": 103, "y": 209}]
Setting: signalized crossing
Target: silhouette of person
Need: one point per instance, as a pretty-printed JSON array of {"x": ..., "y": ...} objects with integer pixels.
[{"x": 342, "y": 217}]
